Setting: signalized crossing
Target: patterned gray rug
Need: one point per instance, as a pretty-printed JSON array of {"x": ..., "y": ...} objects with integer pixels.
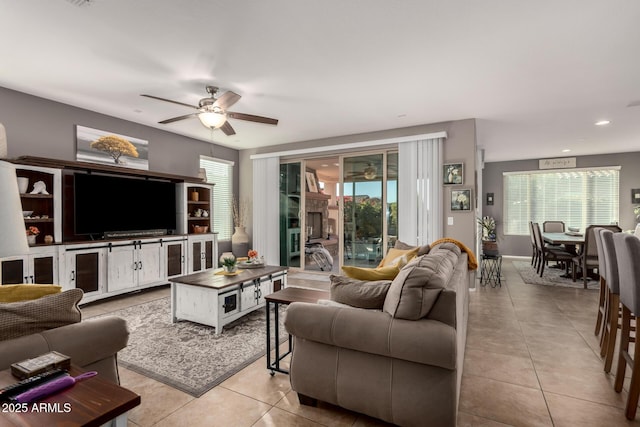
[
  {"x": 186, "y": 355},
  {"x": 551, "y": 277}
]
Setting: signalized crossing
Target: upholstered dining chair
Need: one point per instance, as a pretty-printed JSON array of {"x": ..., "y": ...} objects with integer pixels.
[
  {"x": 553, "y": 227},
  {"x": 609, "y": 268},
  {"x": 588, "y": 257},
  {"x": 603, "y": 286},
  {"x": 534, "y": 246},
  {"x": 548, "y": 253},
  {"x": 627, "y": 248}
]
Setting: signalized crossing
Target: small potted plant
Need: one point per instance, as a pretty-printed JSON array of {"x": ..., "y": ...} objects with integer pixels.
[
  {"x": 229, "y": 264},
  {"x": 32, "y": 232},
  {"x": 488, "y": 229}
]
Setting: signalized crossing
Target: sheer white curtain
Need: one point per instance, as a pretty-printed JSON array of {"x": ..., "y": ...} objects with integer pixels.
[
  {"x": 420, "y": 192},
  {"x": 266, "y": 208}
]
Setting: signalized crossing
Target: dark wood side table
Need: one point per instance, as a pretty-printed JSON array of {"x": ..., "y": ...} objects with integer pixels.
[
  {"x": 285, "y": 296},
  {"x": 90, "y": 402}
]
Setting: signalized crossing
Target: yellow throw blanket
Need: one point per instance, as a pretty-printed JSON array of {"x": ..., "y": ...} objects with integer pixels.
[{"x": 472, "y": 262}]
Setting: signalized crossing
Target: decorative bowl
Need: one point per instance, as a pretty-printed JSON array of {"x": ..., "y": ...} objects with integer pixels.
[
  {"x": 27, "y": 213},
  {"x": 199, "y": 229}
]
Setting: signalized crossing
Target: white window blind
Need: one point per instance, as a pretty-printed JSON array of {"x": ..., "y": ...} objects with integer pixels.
[
  {"x": 579, "y": 197},
  {"x": 220, "y": 173}
]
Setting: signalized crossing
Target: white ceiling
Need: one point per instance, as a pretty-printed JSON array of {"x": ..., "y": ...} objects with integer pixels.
[{"x": 536, "y": 74}]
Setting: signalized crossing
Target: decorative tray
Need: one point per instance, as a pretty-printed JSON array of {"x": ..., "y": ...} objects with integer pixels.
[{"x": 252, "y": 264}]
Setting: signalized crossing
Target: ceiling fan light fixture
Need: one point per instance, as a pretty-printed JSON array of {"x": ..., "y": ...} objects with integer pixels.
[
  {"x": 370, "y": 172},
  {"x": 212, "y": 119}
]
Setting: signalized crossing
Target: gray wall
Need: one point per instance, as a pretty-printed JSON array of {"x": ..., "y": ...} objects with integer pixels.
[
  {"x": 44, "y": 128},
  {"x": 460, "y": 146},
  {"x": 521, "y": 245}
]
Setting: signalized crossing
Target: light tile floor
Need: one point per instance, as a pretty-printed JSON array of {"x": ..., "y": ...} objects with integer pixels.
[{"x": 532, "y": 359}]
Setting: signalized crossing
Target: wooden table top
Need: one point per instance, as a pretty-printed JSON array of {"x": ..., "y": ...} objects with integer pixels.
[
  {"x": 209, "y": 279},
  {"x": 563, "y": 239},
  {"x": 90, "y": 402},
  {"x": 292, "y": 294}
]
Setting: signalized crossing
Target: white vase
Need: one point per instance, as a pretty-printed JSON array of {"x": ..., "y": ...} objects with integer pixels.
[
  {"x": 23, "y": 184},
  {"x": 31, "y": 239},
  {"x": 240, "y": 242}
]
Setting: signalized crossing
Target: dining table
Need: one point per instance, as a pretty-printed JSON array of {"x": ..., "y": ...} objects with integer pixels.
[{"x": 567, "y": 239}]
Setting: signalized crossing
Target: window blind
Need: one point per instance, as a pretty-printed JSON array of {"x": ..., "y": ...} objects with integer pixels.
[
  {"x": 579, "y": 197},
  {"x": 220, "y": 173}
]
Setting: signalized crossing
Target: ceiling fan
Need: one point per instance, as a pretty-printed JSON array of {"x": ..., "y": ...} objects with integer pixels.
[{"x": 213, "y": 113}]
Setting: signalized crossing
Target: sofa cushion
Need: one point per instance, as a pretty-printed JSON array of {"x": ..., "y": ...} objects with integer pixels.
[
  {"x": 395, "y": 256},
  {"x": 29, "y": 317},
  {"x": 422, "y": 250},
  {"x": 24, "y": 292},
  {"x": 358, "y": 293},
  {"x": 416, "y": 288}
]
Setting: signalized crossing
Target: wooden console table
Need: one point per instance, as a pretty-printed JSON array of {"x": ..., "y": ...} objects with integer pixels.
[
  {"x": 91, "y": 402},
  {"x": 216, "y": 300}
]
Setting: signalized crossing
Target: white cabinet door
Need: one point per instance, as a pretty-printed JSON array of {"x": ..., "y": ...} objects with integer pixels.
[
  {"x": 122, "y": 268},
  {"x": 248, "y": 295},
  {"x": 150, "y": 263},
  {"x": 265, "y": 288}
]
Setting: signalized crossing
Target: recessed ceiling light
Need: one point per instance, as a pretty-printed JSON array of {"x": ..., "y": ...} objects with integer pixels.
[
  {"x": 336, "y": 164},
  {"x": 324, "y": 165},
  {"x": 566, "y": 150},
  {"x": 602, "y": 122}
]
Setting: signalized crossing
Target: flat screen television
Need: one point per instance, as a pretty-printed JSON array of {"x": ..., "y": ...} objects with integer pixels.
[{"x": 105, "y": 203}]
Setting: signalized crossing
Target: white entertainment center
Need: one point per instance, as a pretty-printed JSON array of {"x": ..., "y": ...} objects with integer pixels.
[{"x": 106, "y": 267}]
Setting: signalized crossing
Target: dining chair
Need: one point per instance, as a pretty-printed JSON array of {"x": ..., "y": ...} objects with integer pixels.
[
  {"x": 636, "y": 232},
  {"x": 549, "y": 253},
  {"x": 553, "y": 227},
  {"x": 609, "y": 269},
  {"x": 603, "y": 287},
  {"x": 627, "y": 248},
  {"x": 587, "y": 259},
  {"x": 534, "y": 246}
]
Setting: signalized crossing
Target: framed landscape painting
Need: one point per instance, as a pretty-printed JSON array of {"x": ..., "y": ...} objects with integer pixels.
[
  {"x": 461, "y": 200},
  {"x": 453, "y": 173},
  {"x": 98, "y": 146}
]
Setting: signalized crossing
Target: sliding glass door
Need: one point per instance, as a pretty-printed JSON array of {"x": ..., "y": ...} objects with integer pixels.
[
  {"x": 291, "y": 243},
  {"x": 363, "y": 198}
]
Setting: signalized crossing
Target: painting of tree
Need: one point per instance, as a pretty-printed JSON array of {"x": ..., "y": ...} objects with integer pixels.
[
  {"x": 98, "y": 146},
  {"x": 115, "y": 146}
]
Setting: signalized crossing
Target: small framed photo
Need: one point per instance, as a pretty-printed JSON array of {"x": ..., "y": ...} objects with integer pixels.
[
  {"x": 453, "y": 173},
  {"x": 635, "y": 195},
  {"x": 489, "y": 199},
  {"x": 311, "y": 182},
  {"x": 461, "y": 200}
]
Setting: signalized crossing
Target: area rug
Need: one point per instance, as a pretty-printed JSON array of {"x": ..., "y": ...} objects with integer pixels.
[
  {"x": 550, "y": 277},
  {"x": 186, "y": 355}
]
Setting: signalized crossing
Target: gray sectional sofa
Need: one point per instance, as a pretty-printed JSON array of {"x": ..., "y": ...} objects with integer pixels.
[{"x": 401, "y": 363}]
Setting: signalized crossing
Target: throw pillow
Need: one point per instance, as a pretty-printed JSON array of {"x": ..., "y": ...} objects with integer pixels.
[
  {"x": 394, "y": 256},
  {"x": 14, "y": 293},
  {"x": 380, "y": 273},
  {"x": 29, "y": 317},
  {"x": 416, "y": 288},
  {"x": 422, "y": 250},
  {"x": 358, "y": 293}
]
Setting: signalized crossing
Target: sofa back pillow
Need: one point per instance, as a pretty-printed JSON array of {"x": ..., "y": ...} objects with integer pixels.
[
  {"x": 422, "y": 250},
  {"x": 29, "y": 317},
  {"x": 416, "y": 288},
  {"x": 359, "y": 293}
]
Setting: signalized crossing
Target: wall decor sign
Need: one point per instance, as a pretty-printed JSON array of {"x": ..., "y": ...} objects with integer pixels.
[
  {"x": 561, "y": 163},
  {"x": 311, "y": 182},
  {"x": 489, "y": 199},
  {"x": 461, "y": 200},
  {"x": 453, "y": 173},
  {"x": 98, "y": 146},
  {"x": 635, "y": 195}
]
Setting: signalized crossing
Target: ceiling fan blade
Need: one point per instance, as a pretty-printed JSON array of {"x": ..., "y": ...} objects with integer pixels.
[
  {"x": 227, "y": 99},
  {"x": 168, "y": 100},
  {"x": 227, "y": 129},
  {"x": 252, "y": 118},
  {"x": 175, "y": 119}
]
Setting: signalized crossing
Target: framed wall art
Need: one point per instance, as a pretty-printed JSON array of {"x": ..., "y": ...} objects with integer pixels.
[
  {"x": 453, "y": 173},
  {"x": 635, "y": 195},
  {"x": 98, "y": 146},
  {"x": 311, "y": 182},
  {"x": 461, "y": 200}
]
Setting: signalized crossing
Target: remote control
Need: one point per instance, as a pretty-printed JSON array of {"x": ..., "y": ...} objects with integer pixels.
[{"x": 12, "y": 390}]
